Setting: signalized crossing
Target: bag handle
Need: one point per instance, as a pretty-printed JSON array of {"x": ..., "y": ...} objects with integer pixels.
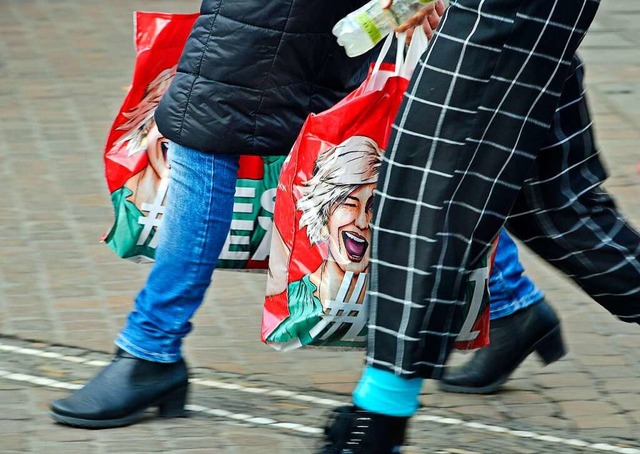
[
  {"x": 417, "y": 47},
  {"x": 405, "y": 63},
  {"x": 375, "y": 72},
  {"x": 402, "y": 39}
]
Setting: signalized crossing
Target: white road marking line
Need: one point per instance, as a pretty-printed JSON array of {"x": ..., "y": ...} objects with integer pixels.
[
  {"x": 44, "y": 381},
  {"x": 196, "y": 381}
]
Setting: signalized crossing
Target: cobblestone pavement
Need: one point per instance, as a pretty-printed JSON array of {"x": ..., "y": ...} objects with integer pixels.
[{"x": 64, "y": 69}]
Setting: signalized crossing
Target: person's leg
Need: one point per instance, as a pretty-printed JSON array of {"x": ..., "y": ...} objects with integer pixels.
[
  {"x": 521, "y": 322},
  {"x": 593, "y": 244},
  {"x": 580, "y": 230},
  {"x": 464, "y": 141},
  {"x": 194, "y": 228},
  {"x": 602, "y": 253},
  {"x": 510, "y": 289},
  {"x": 571, "y": 221},
  {"x": 148, "y": 369},
  {"x": 383, "y": 403}
]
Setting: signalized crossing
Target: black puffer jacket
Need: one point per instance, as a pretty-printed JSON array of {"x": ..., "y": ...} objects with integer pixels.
[{"x": 252, "y": 70}]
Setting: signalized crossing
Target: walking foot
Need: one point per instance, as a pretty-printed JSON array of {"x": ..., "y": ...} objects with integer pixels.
[
  {"x": 354, "y": 431},
  {"x": 121, "y": 393},
  {"x": 512, "y": 338}
]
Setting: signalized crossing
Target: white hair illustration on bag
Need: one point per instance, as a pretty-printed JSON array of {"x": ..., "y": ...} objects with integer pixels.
[
  {"x": 338, "y": 172},
  {"x": 140, "y": 118}
]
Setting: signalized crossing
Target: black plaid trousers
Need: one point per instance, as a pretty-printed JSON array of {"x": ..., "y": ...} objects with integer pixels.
[{"x": 472, "y": 141}]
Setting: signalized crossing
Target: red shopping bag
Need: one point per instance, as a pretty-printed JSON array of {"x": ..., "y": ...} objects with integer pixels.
[
  {"x": 136, "y": 165},
  {"x": 319, "y": 262}
]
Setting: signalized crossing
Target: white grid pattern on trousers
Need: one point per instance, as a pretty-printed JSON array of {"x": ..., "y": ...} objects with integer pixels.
[{"x": 473, "y": 123}]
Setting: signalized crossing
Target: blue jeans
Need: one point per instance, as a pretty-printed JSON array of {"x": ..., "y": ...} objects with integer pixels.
[
  {"x": 510, "y": 290},
  {"x": 195, "y": 225}
]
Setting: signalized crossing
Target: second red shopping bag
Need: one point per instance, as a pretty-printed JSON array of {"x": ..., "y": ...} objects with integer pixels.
[{"x": 319, "y": 261}]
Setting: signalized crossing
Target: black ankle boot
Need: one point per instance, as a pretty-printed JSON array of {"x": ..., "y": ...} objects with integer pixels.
[
  {"x": 354, "y": 431},
  {"x": 512, "y": 339},
  {"x": 122, "y": 391}
]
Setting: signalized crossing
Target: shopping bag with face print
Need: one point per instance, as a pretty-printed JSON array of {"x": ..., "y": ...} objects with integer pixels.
[
  {"x": 136, "y": 167},
  {"x": 321, "y": 243}
]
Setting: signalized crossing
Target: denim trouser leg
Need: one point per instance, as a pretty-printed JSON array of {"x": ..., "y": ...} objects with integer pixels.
[
  {"x": 510, "y": 290},
  {"x": 194, "y": 227}
]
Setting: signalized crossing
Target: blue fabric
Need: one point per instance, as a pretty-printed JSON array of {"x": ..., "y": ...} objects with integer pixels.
[
  {"x": 195, "y": 225},
  {"x": 380, "y": 391},
  {"x": 510, "y": 290}
]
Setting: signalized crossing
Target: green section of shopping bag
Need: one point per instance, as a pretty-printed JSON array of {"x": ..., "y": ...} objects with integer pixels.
[
  {"x": 250, "y": 225},
  {"x": 249, "y": 240},
  {"x": 127, "y": 229},
  {"x": 308, "y": 324}
]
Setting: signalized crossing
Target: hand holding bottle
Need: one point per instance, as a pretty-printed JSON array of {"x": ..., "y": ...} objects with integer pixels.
[
  {"x": 362, "y": 29},
  {"x": 428, "y": 17}
]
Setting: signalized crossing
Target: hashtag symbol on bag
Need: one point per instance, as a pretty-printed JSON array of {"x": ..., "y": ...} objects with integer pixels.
[
  {"x": 153, "y": 219},
  {"x": 341, "y": 312}
]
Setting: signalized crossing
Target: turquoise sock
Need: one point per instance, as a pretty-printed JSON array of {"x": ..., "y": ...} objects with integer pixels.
[{"x": 383, "y": 392}]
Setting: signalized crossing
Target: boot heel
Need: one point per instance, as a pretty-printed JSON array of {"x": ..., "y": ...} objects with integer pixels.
[
  {"x": 173, "y": 404},
  {"x": 551, "y": 347}
]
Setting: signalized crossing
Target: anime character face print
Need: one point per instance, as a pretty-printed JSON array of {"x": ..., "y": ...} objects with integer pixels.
[
  {"x": 141, "y": 133},
  {"x": 336, "y": 202},
  {"x": 349, "y": 230}
]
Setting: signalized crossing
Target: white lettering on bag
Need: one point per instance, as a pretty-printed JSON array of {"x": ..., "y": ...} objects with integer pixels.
[
  {"x": 342, "y": 311},
  {"x": 241, "y": 243},
  {"x": 479, "y": 279},
  {"x": 153, "y": 219}
]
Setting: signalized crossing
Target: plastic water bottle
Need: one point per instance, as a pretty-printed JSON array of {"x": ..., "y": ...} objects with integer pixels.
[{"x": 362, "y": 29}]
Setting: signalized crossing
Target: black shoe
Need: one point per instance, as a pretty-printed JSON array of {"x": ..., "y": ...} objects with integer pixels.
[
  {"x": 122, "y": 391},
  {"x": 512, "y": 339},
  {"x": 354, "y": 431}
]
